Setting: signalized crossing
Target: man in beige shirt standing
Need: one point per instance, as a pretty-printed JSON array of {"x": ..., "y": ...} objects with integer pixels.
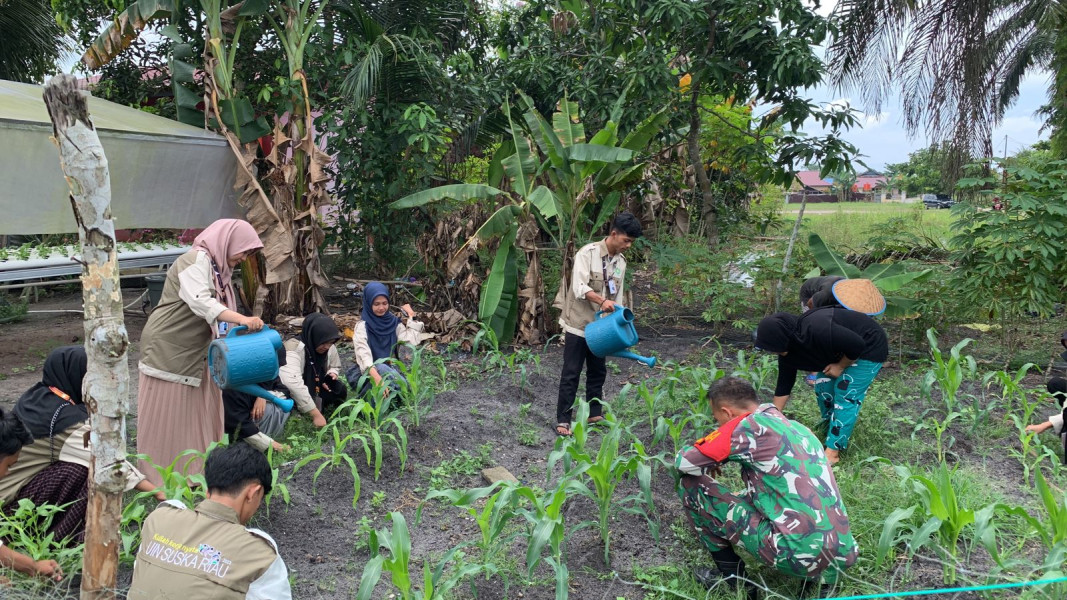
[
  {"x": 596, "y": 284},
  {"x": 207, "y": 552}
]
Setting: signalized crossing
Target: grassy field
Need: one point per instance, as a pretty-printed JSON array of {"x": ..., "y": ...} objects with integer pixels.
[{"x": 849, "y": 226}]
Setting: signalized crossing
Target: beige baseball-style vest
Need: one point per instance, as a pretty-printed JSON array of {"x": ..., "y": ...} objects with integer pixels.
[{"x": 200, "y": 553}]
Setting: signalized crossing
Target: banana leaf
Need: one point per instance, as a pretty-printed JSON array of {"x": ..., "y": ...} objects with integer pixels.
[
  {"x": 496, "y": 169},
  {"x": 498, "y": 307},
  {"x": 121, "y": 32},
  {"x": 567, "y": 124},
  {"x": 522, "y": 166},
  {"x": 638, "y": 139},
  {"x": 239, "y": 117},
  {"x": 459, "y": 191},
  {"x": 186, "y": 99},
  {"x": 895, "y": 282},
  {"x": 831, "y": 262},
  {"x": 599, "y": 153},
  {"x": 546, "y": 201},
  {"x": 879, "y": 270}
]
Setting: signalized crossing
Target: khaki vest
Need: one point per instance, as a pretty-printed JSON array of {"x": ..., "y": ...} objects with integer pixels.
[
  {"x": 201, "y": 553},
  {"x": 576, "y": 313},
  {"x": 175, "y": 340}
]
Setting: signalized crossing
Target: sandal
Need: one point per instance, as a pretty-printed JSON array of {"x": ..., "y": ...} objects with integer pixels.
[
  {"x": 563, "y": 429},
  {"x": 595, "y": 419}
]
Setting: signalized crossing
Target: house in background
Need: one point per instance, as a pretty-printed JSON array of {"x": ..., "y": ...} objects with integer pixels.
[
  {"x": 811, "y": 182},
  {"x": 870, "y": 181}
]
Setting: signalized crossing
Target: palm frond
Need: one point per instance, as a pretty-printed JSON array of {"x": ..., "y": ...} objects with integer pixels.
[{"x": 31, "y": 43}]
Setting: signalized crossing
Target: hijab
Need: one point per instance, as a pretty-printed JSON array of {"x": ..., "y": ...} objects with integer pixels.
[
  {"x": 316, "y": 330},
  {"x": 776, "y": 332},
  {"x": 381, "y": 331},
  {"x": 64, "y": 370},
  {"x": 221, "y": 240}
]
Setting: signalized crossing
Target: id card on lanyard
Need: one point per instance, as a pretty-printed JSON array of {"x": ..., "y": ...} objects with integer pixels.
[{"x": 608, "y": 283}]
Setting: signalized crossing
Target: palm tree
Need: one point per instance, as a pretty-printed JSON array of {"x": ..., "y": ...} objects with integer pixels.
[
  {"x": 32, "y": 43},
  {"x": 957, "y": 64}
]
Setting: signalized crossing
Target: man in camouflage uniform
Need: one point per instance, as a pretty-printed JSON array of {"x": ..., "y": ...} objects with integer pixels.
[{"x": 791, "y": 515}]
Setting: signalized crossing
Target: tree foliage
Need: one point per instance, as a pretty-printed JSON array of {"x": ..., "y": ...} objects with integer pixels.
[
  {"x": 924, "y": 172},
  {"x": 1019, "y": 251},
  {"x": 31, "y": 43},
  {"x": 957, "y": 65}
]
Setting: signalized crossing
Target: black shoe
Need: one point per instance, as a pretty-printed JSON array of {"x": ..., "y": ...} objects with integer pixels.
[
  {"x": 812, "y": 588},
  {"x": 710, "y": 577}
]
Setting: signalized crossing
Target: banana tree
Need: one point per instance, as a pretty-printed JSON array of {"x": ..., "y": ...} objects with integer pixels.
[
  {"x": 562, "y": 187},
  {"x": 285, "y": 213},
  {"x": 887, "y": 277}
]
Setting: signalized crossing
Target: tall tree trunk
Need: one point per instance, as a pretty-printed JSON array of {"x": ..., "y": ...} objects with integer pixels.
[
  {"x": 708, "y": 211},
  {"x": 106, "y": 385},
  {"x": 707, "y": 206}
]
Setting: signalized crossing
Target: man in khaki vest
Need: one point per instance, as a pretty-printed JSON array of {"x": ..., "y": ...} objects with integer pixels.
[
  {"x": 208, "y": 552},
  {"x": 596, "y": 284}
]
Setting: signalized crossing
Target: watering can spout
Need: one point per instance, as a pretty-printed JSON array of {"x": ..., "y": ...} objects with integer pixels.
[
  {"x": 286, "y": 404},
  {"x": 648, "y": 360}
]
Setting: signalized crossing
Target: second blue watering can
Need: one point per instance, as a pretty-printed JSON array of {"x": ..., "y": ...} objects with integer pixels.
[
  {"x": 613, "y": 333},
  {"x": 242, "y": 362}
]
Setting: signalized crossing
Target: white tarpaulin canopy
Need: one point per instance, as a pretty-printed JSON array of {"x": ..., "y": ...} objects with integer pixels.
[{"x": 164, "y": 174}]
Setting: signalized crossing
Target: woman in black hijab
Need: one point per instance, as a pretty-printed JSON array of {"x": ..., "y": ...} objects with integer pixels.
[
  {"x": 54, "y": 469},
  {"x": 845, "y": 346},
  {"x": 311, "y": 369}
]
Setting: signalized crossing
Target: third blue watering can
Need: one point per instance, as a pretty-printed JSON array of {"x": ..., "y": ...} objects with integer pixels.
[
  {"x": 613, "y": 333},
  {"x": 242, "y": 362}
]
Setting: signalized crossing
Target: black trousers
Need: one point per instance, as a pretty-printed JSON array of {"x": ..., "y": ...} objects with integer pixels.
[{"x": 576, "y": 354}]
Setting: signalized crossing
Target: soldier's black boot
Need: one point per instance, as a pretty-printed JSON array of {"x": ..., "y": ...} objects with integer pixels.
[
  {"x": 814, "y": 588},
  {"x": 729, "y": 568}
]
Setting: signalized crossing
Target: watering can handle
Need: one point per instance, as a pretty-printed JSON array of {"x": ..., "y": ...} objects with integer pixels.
[
  {"x": 617, "y": 308},
  {"x": 233, "y": 331}
]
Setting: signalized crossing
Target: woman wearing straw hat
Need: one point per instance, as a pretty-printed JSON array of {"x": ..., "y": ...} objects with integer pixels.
[
  {"x": 847, "y": 346},
  {"x": 859, "y": 295}
]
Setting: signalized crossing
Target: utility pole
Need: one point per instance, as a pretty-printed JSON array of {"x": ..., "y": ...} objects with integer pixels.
[{"x": 106, "y": 385}]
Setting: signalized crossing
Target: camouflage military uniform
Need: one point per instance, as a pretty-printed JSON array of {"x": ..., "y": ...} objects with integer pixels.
[{"x": 791, "y": 516}]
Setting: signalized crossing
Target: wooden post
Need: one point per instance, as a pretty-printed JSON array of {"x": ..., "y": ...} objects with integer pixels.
[
  {"x": 106, "y": 385},
  {"x": 789, "y": 250}
]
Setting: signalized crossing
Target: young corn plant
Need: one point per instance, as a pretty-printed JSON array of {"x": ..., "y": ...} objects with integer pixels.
[
  {"x": 948, "y": 373},
  {"x": 416, "y": 393},
  {"x": 604, "y": 471},
  {"x": 756, "y": 368},
  {"x": 545, "y": 529},
  {"x": 501, "y": 506},
  {"x": 331, "y": 455},
  {"x": 1026, "y": 438},
  {"x": 397, "y": 543},
  {"x": 943, "y": 512},
  {"x": 1011, "y": 387},
  {"x": 372, "y": 421}
]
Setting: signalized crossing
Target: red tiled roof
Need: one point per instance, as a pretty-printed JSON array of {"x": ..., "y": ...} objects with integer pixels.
[{"x": 811, "y": 179}]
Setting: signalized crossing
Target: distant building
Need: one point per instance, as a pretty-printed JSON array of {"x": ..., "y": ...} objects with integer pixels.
[
  {"x": 811, "y": 182},
  {"x": 870, "y": 181}
]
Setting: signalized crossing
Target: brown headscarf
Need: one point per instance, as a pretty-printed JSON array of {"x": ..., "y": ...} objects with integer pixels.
[{"x": 221, "y": 240}]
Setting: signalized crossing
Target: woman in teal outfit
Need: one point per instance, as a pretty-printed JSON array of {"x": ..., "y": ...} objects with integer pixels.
[{"x": 846, "y": 347}]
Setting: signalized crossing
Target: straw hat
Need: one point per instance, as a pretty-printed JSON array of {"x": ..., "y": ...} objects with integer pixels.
[{"x": 859, "y": 295}]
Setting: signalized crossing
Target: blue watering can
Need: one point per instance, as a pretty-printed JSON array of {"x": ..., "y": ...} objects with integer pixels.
[
  {"x": 242, "y": 362},
  {"x": 611, "y": 335}
]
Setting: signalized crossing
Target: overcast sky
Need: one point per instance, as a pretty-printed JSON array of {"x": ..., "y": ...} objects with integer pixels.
[{"x": 882, "y": 139}]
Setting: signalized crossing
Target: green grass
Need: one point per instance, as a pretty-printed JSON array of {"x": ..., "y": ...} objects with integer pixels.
[{"x": 848, "y": 226}]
